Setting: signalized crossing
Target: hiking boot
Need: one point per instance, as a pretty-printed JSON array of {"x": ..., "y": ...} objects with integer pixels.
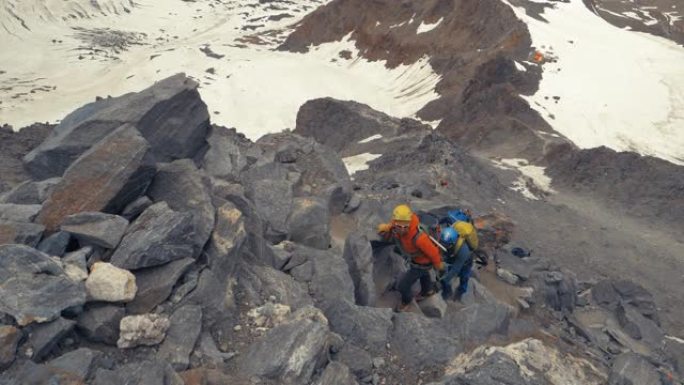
[
  {"x": 459, "y": 296},
  {"x": 402, "y": 308},
  {"x": 421, "y": 296}
]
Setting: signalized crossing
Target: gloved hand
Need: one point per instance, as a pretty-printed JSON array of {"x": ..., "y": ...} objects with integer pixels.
[
  {"x": 384, "y": 228},
  {"x": 441, "y": 268},
  {"x": 481, "y": 258}
]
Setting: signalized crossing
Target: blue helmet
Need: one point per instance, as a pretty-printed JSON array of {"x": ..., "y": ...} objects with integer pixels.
[
  {"x": 458, "y": 216},
  {"x": 448, "y": 236}
]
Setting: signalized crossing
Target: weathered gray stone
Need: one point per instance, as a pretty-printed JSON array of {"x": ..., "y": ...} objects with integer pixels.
[
  {"x": 109, "y": 283},
  {"x": 158, "y": 236},
  {"x": 146, "y": 372},
  {"x": 45, "y": 337},
  {"x": 639, "y": 327},
  {"x": 224, "y": 158},
  {"x": 30, "y": 192},
  {"x": 507, "y": 276},
  {"x": 75, "y": 264},
  {"x": 309, "y": 223},
  {"x": 135, "y": 208},
  {"x": 433, "y": 306},
  {"x": 419, "y": 341},
  {"x": 79, "y": 362},
  {"x": 55, "y": 244},
  {"x": 145, "y": 329},
  {"x": 476, "y": 323},
  {"x": 356, "y": 359},
  {"x": 186, "y": 324},
  {"x": 186, "y": 189},
  {"x": 9, "y": 339},
  {"x": 674, "y": 349},
  {"x": 156, "y": 283},
  {"x": 34, "y": 286},
  {"x": 18, "y": 213},
  {"x": 273, "y": 202},
  {"x": 359, "y": 256},
  {"x": 632, "y": 369},
  {"x": 301, "y": 350},
  {"x": 170, "y": 115},
  {"x": 258, "y": 283},
  {"x": 93, "y": 228},
  {"x": 100, "y": 323},
  {"x": 105, "y": 178},
  {"x": 212, "y": 295},
  {"x": 336, "y": 374},
  {"x": 30, "y": 373},
  {"x": 558, "y": 290},
  {"x": 20, "y": 233},
  {"x": 366, "y": 327},
  {"x": 227, "y": 239}
]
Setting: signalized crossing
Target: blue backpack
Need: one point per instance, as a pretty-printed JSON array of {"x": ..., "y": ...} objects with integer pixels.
[{"x": 454, "y": 216}]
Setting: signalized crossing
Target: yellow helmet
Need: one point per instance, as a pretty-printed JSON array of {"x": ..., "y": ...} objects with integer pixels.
[{"x": 402, "y": 213}]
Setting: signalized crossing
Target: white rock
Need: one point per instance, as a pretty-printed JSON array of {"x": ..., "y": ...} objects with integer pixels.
[
  {"x": 507, "y": 276},
  {"x": 145, "y": 329},
  {"x": 109, "y": 283}
]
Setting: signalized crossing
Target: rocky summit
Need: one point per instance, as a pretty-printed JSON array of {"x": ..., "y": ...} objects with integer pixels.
[{"x": 144, "y": 245}]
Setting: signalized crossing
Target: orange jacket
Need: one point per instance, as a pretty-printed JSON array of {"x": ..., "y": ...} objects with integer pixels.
[{"x": 425, "y": 251}]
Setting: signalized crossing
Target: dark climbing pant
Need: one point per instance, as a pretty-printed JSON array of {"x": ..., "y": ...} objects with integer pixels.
[
  {"x": 411, "y": 276},
  {"x": 461, "y": 266}
]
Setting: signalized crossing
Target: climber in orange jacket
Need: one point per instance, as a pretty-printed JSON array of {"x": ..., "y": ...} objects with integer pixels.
[{"x": 417, "y": 248}]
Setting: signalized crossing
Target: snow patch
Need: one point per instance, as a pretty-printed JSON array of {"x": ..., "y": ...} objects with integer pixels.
[
  {"x": 618, "y": 88},
  {"x": 675, "y": 339},
  {"x": 359, "y": 162},
  {"x": 530, "y": 174},
  {"x": 520, "y": 67},
  {"x": 371, "y": 138},
  {"x": 424, "y": 27}
]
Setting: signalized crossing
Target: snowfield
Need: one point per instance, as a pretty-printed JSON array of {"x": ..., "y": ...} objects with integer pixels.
[
  {"x": 58, "y": 55},
  {"x": 617, "y": 88}
]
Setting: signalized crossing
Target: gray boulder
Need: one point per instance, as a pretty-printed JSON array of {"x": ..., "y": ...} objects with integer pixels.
[
  {"x": 257, "y": 283},
  {"x": 55, "y": 244},
  {"x": 632, "y": 369},
  {"x": 158, "y": 236},
  {"x": 356, "y": 359},
  {"x": 105, "y": 178},
  {"x": 433, "y": 306},
  {"x": 9, "y": 339},
  {"x": 327, "y": 274},
  {"x": 30, "y": 192},
  {"x": 35, "y": 287},
  {"x": 555, "y": 289},
  {"x": 609, "y": 293},
  {"x": 80, "y": 362},
  {"x": 135, "y": 208},
  {"x": 18, "y": 213},
  {"x": 336, "y": 374},
  {"x": 419, "y": 341},
  {"x": 273, "y": 201},
  {"x": 639, "y": 327},
  {"x": 93, "y": 228},
  {"x": 476, "y": 323},
  {"x": 170, "y": 115},
  {"x": 155, "y": 284},
  {"x": 225, "y": 158},
  {"x": 366, "y": 327},
  {"x": 45, "y": 337},
  {"x": 145, "y": 372},
  {"x": 211, "y": 294},
  {"x": 496, "y": 368},
  {"x": 100, "y": 323},
  {"x": 186, "y": 189},
  {"x": 227, "y": 239},
  {"x": 309, "y": 223},
  {"x": 75, "y": 264},
  {"x": 359, "y": 256},
  {"x": 675, "y": 352},
  {"x": 301, "y": 350},
  {"x": 12, "y": 232},
  {"x": 186, "y": 324}
]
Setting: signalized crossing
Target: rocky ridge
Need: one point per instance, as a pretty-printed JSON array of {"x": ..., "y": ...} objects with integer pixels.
[{"x": 241, "y": 262}]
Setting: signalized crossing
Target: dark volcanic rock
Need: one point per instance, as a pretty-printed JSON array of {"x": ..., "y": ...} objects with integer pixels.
[
  {"x": 257, "y": 283},
  {"x": 100, "y": 323},
  {"x": 79, "y": 362},
  {"x": 15, "y": 145},
  {"x": 301, "y": 350},
  {"x": 170, "y": 115},
  {"x": 145, "y": 372},
  {"x": 356, "y": 359},
  {"x": 186, "y": 189},
  {"x": 56, "y": 244},
  {"x": 105, "y": 178},
  {"x": 227, "y": 154},
  {"x": 336, "y": 374},
  {"x": 93, "y": 228},
  {"x": 419, "y": 341},
  {"x": 20, "y": 233},
  {"x": 227, "y": 239},
  {"x": 34, "y": 287},
  {"x": 632, "y": 369},
  {"x": 30, "y": 192},
  {"x": 476, "y": 323},
  {"x": 155, "y": 284},
  {"x": 9, "y": 339},
  {"x": 366, "y": 327},
  {"x": 158, "y": 236},
  {"x": 135, "y": 208},
  {"x": 45, "y": 337},
  {"x": 323, "y": 270},
  {"x": 309, "y": 223},
  {"x": 359, "y": 256},
  {"x": 18, "y": 213},
  {"x": 186, "y": 324}
]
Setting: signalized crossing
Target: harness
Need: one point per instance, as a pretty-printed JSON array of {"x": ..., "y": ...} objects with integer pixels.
[{"x": 408, "y": 257}]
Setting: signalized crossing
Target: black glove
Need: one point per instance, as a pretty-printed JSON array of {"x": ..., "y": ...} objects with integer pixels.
[{"x": 481, "y": 258}]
